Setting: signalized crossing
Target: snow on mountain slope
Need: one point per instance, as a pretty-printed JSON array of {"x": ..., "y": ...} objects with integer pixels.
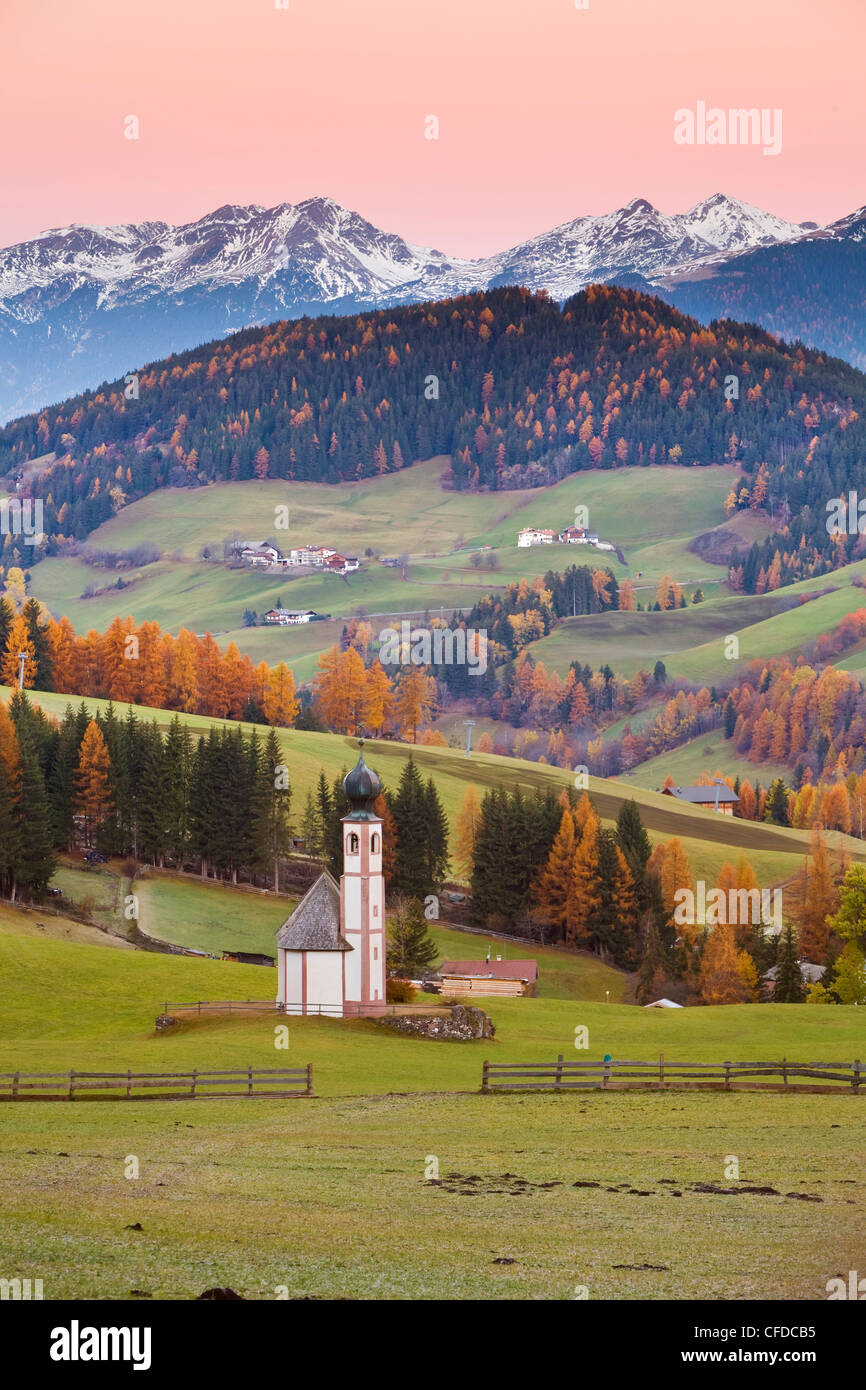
[{"x": 83, "y": 304}]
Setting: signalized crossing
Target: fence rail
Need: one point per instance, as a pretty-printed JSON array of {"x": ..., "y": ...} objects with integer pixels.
[
  {"x": 201, "y": 1007},
  {"x": 563, "y": 1075},
  {"x": 253, "y": 1083}
]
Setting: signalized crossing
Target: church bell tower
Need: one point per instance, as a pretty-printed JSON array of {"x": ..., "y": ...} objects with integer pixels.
[{"x": 362, "y": 894}]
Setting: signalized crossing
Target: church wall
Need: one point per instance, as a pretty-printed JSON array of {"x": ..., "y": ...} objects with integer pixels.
[{"x": 325, "y": 981}]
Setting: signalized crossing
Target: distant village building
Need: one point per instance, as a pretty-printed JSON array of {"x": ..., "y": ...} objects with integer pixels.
[
  {"x": 812, "y": 974},
  {"x": 261, "y": 555},
  {"x": 331, "y": 950},
  {"x": 311, "y": 555},
  {"x": 341, "y": 564},
  {"x": 531, "y": 535},
  {"x": 716, "y": 796},
  {"x": 489, "y": 977},
  {"x": 286, "y": 617},
  {"x": 574, "y": 535}
]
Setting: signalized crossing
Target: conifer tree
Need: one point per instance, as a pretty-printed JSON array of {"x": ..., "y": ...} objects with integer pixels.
[
  {"x": 411, "y": 951},
  {"x": 789, "y": 987}
]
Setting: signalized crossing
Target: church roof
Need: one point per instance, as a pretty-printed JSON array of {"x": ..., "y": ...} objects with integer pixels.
[
  {"x": 362, "y": 786},
  {"x": 315, "y": 923}
]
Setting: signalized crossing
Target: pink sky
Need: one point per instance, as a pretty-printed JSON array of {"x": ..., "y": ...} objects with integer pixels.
[{"x": 546, "y": 112}]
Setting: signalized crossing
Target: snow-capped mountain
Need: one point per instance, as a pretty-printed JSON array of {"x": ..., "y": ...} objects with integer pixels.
[
  {"x": 84, "y": 304},
  {"x": 638, "y": 239}
]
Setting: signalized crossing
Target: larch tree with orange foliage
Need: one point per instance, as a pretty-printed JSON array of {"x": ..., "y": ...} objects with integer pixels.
[
  {"x": 93, "y": 797},
  {"x": 280, "y": 703},
  {"x": 415, "y": 700},
  {"x": 553, "y": 889},
  {"x": 10, "y": 669}
]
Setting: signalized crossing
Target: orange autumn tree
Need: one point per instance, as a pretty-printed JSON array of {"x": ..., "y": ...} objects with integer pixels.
[
  {"x": 415, "y": 700},
  {"x": 93, "y": 798},
  {"x": 280, "y": 704},
  {"x": 19, "y": 641},
  {"x": 466, "y": 830},
  {"x": 553, "y": 890}
]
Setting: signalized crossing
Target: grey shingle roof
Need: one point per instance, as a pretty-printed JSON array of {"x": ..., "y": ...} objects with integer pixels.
[
  {"x": 315, "y": 923},
  {"x": 704, "y": 794}
]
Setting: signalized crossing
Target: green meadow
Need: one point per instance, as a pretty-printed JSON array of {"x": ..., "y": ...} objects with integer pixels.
[{"x": 287, "y": 1198}]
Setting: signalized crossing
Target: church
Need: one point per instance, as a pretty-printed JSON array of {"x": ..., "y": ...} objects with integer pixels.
[{"x": 331, "y": 950}]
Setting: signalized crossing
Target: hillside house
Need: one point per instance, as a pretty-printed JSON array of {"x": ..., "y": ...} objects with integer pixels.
[
  {"x": 812, "y": 974},
  {"x": 573, "y": 535},
  {"x": 262, "y": 556},
  {"x": 311, "y": 555},
  {"x": 501, "y": 978},
  {"x": 531, "y": 535},
  {"x": 341, "y": 564},
  {"x": 716, "y": 796},
  {"x": 287, "y": 617}
]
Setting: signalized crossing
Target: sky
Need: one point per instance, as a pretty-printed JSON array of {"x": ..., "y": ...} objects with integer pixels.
[{"x": 545, "y": 111}]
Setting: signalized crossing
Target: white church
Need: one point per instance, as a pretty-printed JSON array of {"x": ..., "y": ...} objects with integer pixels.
[{"x": 331, "y": 950}]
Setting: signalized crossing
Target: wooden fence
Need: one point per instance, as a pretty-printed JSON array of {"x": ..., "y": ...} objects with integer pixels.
[
  {"x": 661, "y": 1076},
  {"x": 253, "y": 1083},
  {"x": 201, "y": 1007}
]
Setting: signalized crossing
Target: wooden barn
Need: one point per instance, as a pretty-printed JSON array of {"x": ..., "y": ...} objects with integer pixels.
[{"x": 501, "y": 978}]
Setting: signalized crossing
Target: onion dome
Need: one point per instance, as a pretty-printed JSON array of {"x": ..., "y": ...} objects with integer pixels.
[{"x": 362, "y": 786}]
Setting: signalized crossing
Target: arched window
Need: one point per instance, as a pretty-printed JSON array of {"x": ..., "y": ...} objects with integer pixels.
[
  {"x": 374, "y": 845},
  {"x": 352, "y": 844}
]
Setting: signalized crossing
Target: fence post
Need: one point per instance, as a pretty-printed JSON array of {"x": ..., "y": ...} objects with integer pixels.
[
  {"x": 606, "y": 1077},
  {"x": 194, "y": 1075},
  {"x": 856, "y": 1081},
  {"x": 128, "y": 1081},
  {"x": 784, "y": 1071},
  {"x": 484, "y": 1086},
  {"x": 15, "y": 1085},
  {"x": 309, "y": 1078},
  {"x": 199, "y": 1008},
  {"x": 249, "y": 1081},
  {"x": 558, "y": 1084},
  {"x": 661, "y": 1068},
  {"x": 727, "y": 1067},
  {"x": 71, "y": 1084}
]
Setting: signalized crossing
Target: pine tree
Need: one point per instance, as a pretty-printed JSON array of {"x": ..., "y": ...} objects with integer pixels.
[
  {"x": 411, "y": 951},
  {"x": 410, "y": 811},
  {"x": 36, "y": 859},
  {"x": 437, "y": 836},
  {"x": 271, "y": 828},
  {"x": 789, "y": 987}
]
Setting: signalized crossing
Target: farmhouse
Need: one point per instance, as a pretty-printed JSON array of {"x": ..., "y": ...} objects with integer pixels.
[
  {"x": 287, "y": 617},
  {"x": 490, "y": 977},
  {"x": 573, "y": 535},
  {"x": 341, "y": 564},
  {"x": 262, "y": 555},
  {"x": 311, "y": 555},
  {"x": 531, "y": 535},
  {"x": 716, "y": 796},
  {"x": 331, "y": 950}
]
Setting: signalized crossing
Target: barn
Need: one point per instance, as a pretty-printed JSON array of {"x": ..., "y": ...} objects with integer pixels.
[{"x": 501, "y": 978}]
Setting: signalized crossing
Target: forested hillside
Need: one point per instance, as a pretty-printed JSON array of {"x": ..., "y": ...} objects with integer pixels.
[{"x": 517, "y": 391}]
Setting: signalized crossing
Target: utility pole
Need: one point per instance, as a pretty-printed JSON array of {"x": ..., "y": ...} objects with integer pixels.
[
  {"x": 470, "y": 725},
  {"x": 22, "y": 659}
]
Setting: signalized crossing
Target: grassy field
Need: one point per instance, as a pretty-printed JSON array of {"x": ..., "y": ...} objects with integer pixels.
[
  {"x": 289, "y": 1195},
  {"x": 710, "y": 753}
]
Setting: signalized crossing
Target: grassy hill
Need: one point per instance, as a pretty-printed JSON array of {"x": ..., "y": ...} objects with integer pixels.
[
  {"x": 407, "y": 513},
  {"x": 709, "y": 840}
]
